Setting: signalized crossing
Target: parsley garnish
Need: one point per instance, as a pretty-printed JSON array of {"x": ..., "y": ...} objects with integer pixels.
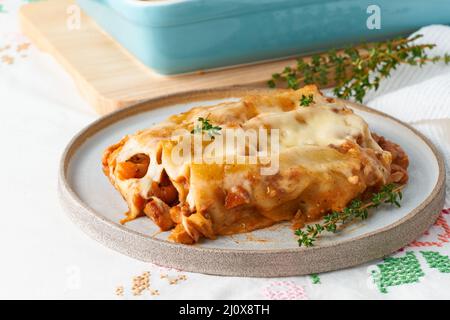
[
  {"x": 206, "y": 126},
  {"x": 305, "y": 101},
  {"x": 389, "y": 194}
]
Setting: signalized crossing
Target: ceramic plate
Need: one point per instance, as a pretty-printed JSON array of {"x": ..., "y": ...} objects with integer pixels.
[{"x": 97, "y": 207}]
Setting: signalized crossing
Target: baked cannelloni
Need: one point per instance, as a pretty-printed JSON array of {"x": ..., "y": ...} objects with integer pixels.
[{"x": 318, "y": 156}]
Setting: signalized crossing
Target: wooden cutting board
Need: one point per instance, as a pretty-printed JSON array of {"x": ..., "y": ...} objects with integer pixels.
[{"x": 107, "y": 75}]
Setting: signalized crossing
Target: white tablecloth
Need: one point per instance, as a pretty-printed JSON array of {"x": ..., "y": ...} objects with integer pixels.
[{"x": 43, "y": 255}]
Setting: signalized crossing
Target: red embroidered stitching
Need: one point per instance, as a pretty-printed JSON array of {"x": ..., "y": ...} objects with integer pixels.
[{"x": 443, "y": 237}]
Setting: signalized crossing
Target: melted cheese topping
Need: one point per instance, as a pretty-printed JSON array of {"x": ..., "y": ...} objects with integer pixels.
[{"x": 327, "y": 157}]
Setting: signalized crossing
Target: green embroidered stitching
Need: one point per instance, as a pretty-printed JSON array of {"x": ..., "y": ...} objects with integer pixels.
[
  {"x": 315, "y": 278},
  {"x": 437, "y": 261},
  {"x": 397, "y": 271}
]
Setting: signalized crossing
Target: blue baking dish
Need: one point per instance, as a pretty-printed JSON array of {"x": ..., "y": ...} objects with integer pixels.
[{"x": 179, "y": 36}]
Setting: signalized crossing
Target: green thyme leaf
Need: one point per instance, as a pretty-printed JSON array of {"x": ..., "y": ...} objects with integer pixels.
[
  {"x": 207, "y": 127},
  {"x": 355, "y": 73}
]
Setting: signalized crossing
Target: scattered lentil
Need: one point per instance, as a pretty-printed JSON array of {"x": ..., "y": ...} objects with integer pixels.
[{"x": 119, "y": 291}]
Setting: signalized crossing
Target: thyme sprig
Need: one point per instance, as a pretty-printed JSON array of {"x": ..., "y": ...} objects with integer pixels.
[
  {"x": 357, "y": 209},
  {"x": 305, "y": 101},
  {"x": 206, "y": 126},
  {"x": 354, "y": 72}
]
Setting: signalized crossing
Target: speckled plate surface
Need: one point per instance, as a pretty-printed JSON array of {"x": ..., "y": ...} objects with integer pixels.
[{"x": 93, "y": 203}]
